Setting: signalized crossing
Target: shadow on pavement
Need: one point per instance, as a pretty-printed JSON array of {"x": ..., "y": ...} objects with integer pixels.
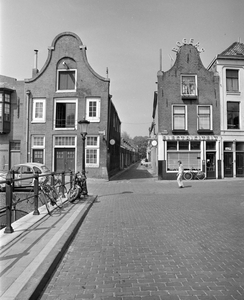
[{"x": 135, "y": 172}]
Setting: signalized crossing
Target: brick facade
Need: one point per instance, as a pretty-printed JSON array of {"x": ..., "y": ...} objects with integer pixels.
[
  {"x": 171, "y": 96},
  {"x": 88, "y": 98}
]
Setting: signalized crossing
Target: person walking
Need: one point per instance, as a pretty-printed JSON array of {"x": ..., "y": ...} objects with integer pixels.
[{"x": 180, "y": 175}]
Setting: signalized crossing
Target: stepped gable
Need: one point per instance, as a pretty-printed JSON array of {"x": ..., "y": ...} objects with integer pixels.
[{"x": 235, "y": 49}]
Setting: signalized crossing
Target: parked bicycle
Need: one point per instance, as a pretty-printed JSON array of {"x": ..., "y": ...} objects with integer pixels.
[
  {"x": 78, "y": 188},
  {"x": 49, "y": 195},
  {"x": 191, "y": 174}
]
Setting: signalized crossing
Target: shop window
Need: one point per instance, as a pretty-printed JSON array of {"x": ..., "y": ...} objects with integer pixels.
[
  {"x": 204, "y": 114},
  {"x": 186, "y": 151},
  {"x": 93, "y": 109},
  {"x": 171, "y": 145},
  {"x": 179, "y": 117},
  {"x": 39, "y": 110},
  {"x": 92, "y": 151},
  {"x": 66, "y": 80},
  {"x": 233, "y": 115},
  {"x": 184, "y": 145},
  {"x": 232, "y": 81},
  {"x": 195, "y": 146},
  {"x": 65, "y": 114},
  {"x": 189, "y": 86}
]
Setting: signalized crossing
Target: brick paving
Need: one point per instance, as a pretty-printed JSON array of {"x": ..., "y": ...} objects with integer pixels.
[{"x": 148, "y": 239}]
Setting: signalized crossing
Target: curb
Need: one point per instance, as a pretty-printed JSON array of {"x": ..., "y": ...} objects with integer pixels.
[{"x": 35, "y": 286}]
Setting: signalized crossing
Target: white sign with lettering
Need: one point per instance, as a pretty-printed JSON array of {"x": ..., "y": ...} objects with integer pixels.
[{"x": 184, "y": 42}]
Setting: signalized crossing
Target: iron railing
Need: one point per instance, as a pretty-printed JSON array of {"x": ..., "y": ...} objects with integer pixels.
[{"x": 10, "y": 189}]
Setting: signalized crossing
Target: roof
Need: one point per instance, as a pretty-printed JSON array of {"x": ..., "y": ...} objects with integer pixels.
[{"x": 236, "y": 49}]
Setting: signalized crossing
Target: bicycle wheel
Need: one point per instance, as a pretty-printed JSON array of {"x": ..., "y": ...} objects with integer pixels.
[
  {"x": 73, "y": 193},
  {"x": 188, "y": 176},
  {"x": 200, "y": 175}
]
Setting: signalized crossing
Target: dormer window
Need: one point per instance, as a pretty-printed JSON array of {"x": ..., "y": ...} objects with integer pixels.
[{"x": 189, "y": 86}]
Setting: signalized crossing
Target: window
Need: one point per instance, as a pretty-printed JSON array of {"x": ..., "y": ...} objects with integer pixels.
[
  {"x": 233, "y": 115},
  {"x": 189, "y": 85},
  {"x": 204, "y": 117},
  {"x": 65, "y": 114},
  {"x": 92, "y": 151},
  {"x": 179, "y": 118},
  {"x": 93, "y": 109},
  {"x": 66, "y": 80},
  {"x": 39, "y": 110},
  {"x": 186, "y": 151},
  {"x": 38, "y": 146},
  {"x": 232, "y": 82},
  {"x": 4, "y": 107}
]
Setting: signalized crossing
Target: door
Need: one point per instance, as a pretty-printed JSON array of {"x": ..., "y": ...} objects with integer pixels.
[
  {"x": 211, "y": 164},
  {"x": 64, "y": 160},
  {"x": 228, "y": 164},
  {"x": 239, "y": 164},
  {"x": 38, "y": 156}
]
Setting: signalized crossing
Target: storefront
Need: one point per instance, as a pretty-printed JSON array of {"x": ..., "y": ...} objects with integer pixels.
[{"x": 195, "y": 151}]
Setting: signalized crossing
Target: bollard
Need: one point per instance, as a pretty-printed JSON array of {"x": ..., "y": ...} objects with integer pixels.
[
  {"x": 36, "y": 192},
  {"x": 9, "y": 196}
]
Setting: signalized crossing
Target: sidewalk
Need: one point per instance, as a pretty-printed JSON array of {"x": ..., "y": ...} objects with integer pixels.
[{"x": 29, "y": 255}]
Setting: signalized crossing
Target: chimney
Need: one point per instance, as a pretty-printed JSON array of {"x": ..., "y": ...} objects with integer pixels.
[{"x": 35, "y": 70}]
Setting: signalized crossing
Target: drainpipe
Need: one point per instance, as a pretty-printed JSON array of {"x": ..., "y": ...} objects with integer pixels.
[{"x": 28, "y": 94}]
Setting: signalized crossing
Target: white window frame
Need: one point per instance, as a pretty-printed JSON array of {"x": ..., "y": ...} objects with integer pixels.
[
  {"x": 36, "y": 147},
  {"x": 66, "y": 100},
  {"x": 173, "y": 106},
  {"x": 93, "y": 147},
  {"x": 63, "y": 71},
  {"x": 238, "y": 81},
  {"x": 43, "y": 118},
  {"x": 185, "y": 94},
  {"x": 210, "y": 117},
  {"x": 98, "y": 109}
]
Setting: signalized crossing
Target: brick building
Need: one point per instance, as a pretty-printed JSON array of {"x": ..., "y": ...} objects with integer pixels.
[
  {"x": 229, "y": 64},
  {"x": 45, "y": 111},
  {"x": 188, "y": 115}
]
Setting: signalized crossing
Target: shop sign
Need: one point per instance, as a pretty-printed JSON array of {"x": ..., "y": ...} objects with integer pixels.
[
  {"x": 190, "y": 137},
  {"x": 184, "y": 42}
]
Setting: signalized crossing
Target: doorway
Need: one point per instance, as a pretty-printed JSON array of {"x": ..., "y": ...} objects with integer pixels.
[
  {"x": 64, "y": 160},
  {"x": 228, "y": 164},
  {"x": 240, "y": 164},
  {"x": 211, "y": 165}
]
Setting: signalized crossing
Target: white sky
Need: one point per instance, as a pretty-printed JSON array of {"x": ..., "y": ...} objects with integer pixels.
[{"x": 124, "y": 35}]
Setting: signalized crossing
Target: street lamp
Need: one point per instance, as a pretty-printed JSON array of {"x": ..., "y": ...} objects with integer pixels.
[{"x": 83, "y": 131}]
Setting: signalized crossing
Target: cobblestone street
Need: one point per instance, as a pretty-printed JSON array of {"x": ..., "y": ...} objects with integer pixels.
[{"x": 148, "y": 239}]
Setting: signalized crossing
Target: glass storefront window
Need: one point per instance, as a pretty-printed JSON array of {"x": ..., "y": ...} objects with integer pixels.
[
  {"x": 171, "y": 145},
  {"x": 195, "y": 145},
  {"x": 184, "y": 145}
]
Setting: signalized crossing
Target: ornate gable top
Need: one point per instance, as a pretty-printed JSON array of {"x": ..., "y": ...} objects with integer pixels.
[{"x": 235, "y": 49}]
